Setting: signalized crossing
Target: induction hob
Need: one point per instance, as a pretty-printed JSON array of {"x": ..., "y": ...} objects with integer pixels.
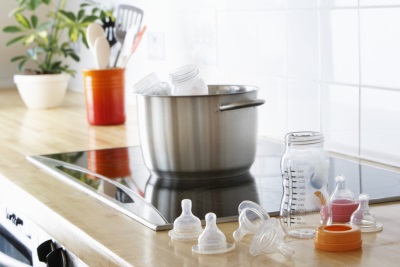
[{"x": 119, "y": 178}]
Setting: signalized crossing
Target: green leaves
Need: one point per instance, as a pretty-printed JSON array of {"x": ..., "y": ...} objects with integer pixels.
[
  {"x": 22, "y": 20},
  {"x": 15, "y": 40},
  {"x": 12, "y": 29},
  {"x": 22, "y": 60},
  {"x": 68, "y": 15},
  {"x": 77, "y": 24},
  {"x": 34, "y": 21},
  {"x": 48, "y": 42},
  {"x": 32, "y": 4}
]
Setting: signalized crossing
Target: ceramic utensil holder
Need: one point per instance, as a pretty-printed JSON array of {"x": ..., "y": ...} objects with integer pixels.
[{"x": 105, "y": 96}]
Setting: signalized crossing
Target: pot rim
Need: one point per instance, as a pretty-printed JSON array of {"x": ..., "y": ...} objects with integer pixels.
[{"x": 247, "y": 89}]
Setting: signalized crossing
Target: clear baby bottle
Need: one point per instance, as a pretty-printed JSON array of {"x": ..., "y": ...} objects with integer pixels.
[
  {"x": 151, "y": 85},
  {"x": 186, "y": 81},
  {"x": 305, "y": 170}
]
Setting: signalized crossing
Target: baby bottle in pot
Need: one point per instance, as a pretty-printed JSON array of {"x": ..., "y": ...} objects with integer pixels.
[
  {"x": 186, "y": 81},
  {"x": 305, "y": 169}
]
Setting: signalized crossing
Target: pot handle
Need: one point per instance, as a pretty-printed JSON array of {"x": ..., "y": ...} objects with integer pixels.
[{"x": 242, "y": 104}]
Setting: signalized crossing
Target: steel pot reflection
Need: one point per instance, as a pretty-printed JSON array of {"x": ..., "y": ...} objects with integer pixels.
[
  {"x": 221, "y": 196},
  {"x": 196, "y": 136}
]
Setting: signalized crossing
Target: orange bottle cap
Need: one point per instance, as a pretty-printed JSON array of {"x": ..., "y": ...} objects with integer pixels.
[{"x": 338, "y": 237}]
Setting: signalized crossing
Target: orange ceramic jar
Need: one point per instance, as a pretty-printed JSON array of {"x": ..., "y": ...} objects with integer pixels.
[{"x": 105, "y": 96}]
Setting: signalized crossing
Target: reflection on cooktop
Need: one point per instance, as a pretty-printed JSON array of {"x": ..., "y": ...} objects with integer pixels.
[{"x": 118, "y": 176}]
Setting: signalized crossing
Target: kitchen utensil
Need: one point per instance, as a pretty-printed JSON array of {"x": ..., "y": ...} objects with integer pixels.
[
  {"x": 102, "y": 52},
  {"x": 109, "y": 30},
  {"x": 127, "y": 16},
  {"x": 93, "y": 31},
  {"x": 210, "y": 135},
  {"x": 135, "y": 44}
]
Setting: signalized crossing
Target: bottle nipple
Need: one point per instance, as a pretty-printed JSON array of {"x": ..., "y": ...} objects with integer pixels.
[
  {"x": 341, "y": 192},
  {"x": 250, "y": 204},
  {"x": 342, "y": 201},
  {"x": 363, "y": 218},
  {"x": 212, "y": 240},
  {"x": 269, "y": 239},
  {"x": 251, "y": 217},
  {"x": 186, "y": 226}
]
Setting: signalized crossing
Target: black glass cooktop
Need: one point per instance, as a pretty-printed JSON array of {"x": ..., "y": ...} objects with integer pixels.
[{"x": 120, "y": 179}]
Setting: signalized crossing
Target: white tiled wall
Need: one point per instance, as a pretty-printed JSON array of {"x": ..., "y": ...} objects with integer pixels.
[
  {"x": 330, "y": 66},
  {"x": 324, "y": 65}
]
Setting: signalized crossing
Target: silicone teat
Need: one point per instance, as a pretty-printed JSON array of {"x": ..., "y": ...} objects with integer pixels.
[
  {"x": 186, "y": 226},
  {"x": 342, "y": 201},
  {"x": 252, "y": 205},
  {"x": 270, "y": 239},
  {"x": 341, "y": 192},
  {"x": 212, "y": 240},
  {"x": 363, "y": 218},
  {"x": 251, "y": 217}
]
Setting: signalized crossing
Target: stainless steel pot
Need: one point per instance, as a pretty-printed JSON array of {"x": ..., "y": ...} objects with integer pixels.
[{"x": 200, "y": 136}]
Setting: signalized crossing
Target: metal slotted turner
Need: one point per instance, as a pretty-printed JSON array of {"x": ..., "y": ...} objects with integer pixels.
[{"x": 127, "y": 17}]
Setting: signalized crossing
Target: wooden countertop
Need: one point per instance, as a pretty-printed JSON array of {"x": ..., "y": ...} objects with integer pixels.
[{"x": 99, "y": 235}]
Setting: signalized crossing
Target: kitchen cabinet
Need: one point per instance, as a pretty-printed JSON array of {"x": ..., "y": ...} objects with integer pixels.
[{"x": 100, "y": 236}]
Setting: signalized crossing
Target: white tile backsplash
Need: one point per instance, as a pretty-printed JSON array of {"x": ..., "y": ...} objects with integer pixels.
[
  {"x": 338, "y": 3},
  {"x": 255, "y": 4},
  {"x": 340, "y": 118},
  {"x": 380, "y": 125},
  {"x": 379, "y": 2},
  {"x": 303, "y": 44},
  {"x": 303, "y": 105},
  {"x": 271, "y": 43},
  {"x": 237, "y": 42},
  {"x": 273, "y": 114},
  {"x": 340, "y": 46},
  {"x": 302, "y": 3},
  {"x": 380, "y": 47}
]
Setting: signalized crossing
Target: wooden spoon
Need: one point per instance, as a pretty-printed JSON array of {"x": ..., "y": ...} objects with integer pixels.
[
  {"x": 102, "y": 52},
  {"x": 93, "y": 31}
]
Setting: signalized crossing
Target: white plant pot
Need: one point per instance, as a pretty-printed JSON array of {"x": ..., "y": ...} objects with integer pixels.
[{"x": 42, "y": 91}]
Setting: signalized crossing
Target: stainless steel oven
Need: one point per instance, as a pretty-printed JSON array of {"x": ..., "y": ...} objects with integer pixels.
[
  {"x": 23, "y": 243},
  {"x": 16, "y": 244}
]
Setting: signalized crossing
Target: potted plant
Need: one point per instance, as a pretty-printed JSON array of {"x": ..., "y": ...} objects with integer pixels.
[{"x": 48, "y": 43}]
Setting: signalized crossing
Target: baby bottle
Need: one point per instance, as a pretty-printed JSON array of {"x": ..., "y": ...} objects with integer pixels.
[
  {"x": 343, "y": 202},
  {"x": 186, "y": 81},
  {"x": 305, "y": 170}
]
